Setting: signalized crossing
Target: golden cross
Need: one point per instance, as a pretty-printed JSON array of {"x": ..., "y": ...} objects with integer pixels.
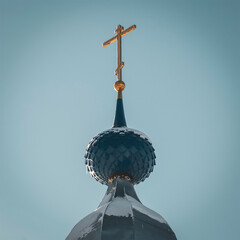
[{"x": 119, "y": 34}]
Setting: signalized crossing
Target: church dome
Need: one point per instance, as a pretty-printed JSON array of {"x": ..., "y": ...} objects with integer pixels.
[
  {"x": 120, "y": 151},
  {"x": 121, "y": 216}
]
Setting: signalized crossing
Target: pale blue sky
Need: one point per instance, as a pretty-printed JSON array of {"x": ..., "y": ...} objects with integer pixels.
[{"x": 56, "y": 93}]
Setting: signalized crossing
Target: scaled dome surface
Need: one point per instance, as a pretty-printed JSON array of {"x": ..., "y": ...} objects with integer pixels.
[{"x": 120, "y": 151}]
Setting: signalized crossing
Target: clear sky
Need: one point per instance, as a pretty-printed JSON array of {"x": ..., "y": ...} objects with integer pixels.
[{"x": 56, "y": 92}]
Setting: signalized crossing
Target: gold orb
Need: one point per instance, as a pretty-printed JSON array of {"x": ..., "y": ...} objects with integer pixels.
[{"x": 119, "y": 85}]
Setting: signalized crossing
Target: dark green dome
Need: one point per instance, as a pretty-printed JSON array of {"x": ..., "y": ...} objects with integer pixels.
[{"x": 120, "y": 151}]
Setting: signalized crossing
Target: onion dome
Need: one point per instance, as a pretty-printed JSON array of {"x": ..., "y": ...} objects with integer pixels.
[
  {"x": 120, "y": 151},
  {"x": 121, "y": 216}
]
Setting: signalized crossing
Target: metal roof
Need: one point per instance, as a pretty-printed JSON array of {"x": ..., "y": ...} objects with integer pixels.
[{"x": 121, "y": 216}]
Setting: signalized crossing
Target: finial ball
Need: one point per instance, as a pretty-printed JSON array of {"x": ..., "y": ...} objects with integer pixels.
[{"x": 119, "y": 85}]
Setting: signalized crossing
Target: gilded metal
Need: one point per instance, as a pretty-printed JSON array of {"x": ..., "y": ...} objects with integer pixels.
[
  {"x": 128, "y": 30},
  {"x": 118, "y": 72},
  {"x": 119, "y": 85},
  {"x": 120, "y": 176}
]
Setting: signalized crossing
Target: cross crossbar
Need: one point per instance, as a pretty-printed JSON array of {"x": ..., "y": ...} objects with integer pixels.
[{"x": 113, "y": 39}]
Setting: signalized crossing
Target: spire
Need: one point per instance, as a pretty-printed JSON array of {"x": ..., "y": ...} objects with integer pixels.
[
  {"x": 119, "y": 120},
  {"x": 119, "y": 84}
]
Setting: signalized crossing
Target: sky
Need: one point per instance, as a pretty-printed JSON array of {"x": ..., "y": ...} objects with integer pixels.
[{"x": 182, "y": 67}]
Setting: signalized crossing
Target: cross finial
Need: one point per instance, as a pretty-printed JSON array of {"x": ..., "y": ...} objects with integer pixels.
[{"x": 119, "y": 84}]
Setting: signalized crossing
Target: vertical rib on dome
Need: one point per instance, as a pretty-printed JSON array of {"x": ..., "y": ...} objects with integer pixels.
[{"x": 119, "y": 120}]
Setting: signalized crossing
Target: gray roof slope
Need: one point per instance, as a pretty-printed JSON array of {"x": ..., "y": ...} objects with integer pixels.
[{"x": 121, "y": 216}]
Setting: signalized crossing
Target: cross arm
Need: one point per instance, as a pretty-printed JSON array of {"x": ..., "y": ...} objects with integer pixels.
[{"x": 123, "y": 33}]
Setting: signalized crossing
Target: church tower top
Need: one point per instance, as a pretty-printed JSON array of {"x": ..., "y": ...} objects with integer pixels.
[{"x": 120, "y": 158}]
